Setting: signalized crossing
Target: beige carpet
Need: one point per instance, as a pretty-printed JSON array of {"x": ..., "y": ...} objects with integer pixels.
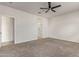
[{"x": 41, "y": 48}]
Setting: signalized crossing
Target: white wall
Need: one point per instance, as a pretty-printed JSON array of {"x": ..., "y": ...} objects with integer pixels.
[
  {"x": 45, "y": 28},
  {"x": 65, "y": 27},
  {"x": 26, "y": 27}
]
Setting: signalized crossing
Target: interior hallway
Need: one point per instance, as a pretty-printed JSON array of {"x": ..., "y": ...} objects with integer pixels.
[{"x": 49, "y": 47}]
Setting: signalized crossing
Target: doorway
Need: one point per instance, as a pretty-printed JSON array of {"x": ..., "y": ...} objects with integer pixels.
[{"x": 7, "y": 29}]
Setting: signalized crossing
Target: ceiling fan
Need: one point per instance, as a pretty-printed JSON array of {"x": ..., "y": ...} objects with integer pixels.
[{"x": 50, "y": 8}]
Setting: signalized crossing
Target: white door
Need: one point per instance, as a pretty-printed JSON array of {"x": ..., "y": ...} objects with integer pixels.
[{"x": 7, "y": 29}]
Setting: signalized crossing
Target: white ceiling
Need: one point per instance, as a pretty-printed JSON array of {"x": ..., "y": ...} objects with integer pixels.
[{"x": 34, "y": 7}]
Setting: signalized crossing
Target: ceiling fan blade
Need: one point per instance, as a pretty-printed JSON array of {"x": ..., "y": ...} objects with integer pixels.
[
  {"x": 53, "y": 10},
  {"x": 49, "y": 4},
  {"x": 56, "y": 6},
  {"x": 43, "y": 8},
  {"x": 47, "y": 11}
]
